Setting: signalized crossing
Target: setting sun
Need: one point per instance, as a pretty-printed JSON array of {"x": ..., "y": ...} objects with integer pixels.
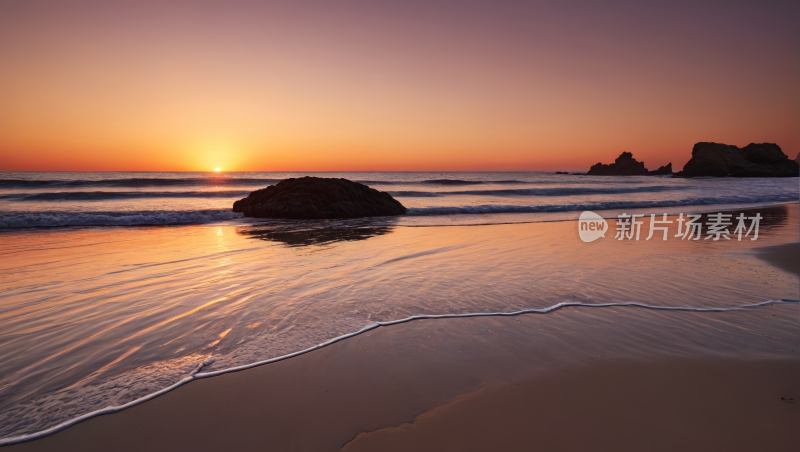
[{"x": 216, "y": 169}]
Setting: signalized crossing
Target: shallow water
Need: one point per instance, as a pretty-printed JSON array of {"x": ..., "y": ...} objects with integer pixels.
[{"x": 95, "y": 317}]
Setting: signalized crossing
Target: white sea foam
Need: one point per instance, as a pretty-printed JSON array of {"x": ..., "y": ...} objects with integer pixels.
[
  {"x": 15, "y": 220},
  {"x": 606, "y": 205}
]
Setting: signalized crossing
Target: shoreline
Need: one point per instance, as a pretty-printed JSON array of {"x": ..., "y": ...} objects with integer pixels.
[
  {"x": 375, "y": 379},
  {"x": 703, "y": 212},
  {"x": 197, "y": 374},
  {"x": 156, "y": 395}
]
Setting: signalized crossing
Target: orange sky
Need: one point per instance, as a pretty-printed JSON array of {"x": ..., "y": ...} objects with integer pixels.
[{"x": 316, "y": 86}]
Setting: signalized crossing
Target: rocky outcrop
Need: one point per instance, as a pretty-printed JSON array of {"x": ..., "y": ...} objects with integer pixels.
[
  {"x": 753, "y": 160},
  {"x": 662, "y": 170},
  {"x": 625, "y": 165},
  {"x": 317, "y": 198}
]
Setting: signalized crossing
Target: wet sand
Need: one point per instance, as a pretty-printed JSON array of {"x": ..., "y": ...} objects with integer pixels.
[
  {"x": 579, "y": 376},
  {"x": 656, "y": 406},
  {"x": 785, "y": 257}
]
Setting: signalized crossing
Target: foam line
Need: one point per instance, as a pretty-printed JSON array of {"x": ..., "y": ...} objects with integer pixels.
[
  {"x": 196, "y": 375},
  {"x": 599, "y": 205}
]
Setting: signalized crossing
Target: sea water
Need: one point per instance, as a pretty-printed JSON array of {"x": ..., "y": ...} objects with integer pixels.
[
  {"x": 116, "y": 285},
  {"x": 29, "y": 199}
]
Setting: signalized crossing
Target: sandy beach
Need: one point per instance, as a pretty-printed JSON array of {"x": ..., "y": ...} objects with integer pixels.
[
  {"x": 514, "y": 383},
  {"x": 659, "y": 406},
  {"x": 783, "y": 256},
  {"x": 604, "y": 378}
]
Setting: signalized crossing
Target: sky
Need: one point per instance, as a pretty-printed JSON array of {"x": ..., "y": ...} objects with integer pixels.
[{"x": 390, "y": 85}]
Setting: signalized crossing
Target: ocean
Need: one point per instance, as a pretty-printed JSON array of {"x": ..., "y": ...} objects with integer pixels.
[
  {"x": 62, "y": 199},
  {"x": 116, "y": 285}
]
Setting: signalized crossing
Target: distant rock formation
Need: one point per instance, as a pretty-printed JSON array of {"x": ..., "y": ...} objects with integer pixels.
[
  {"x": 662, "y": 170},
  {"x": 561, "y": 172},
  {"x": 753, "y": 160},
  {"x": 318, "y": 198},
  {"x": 625, "y": 165}
]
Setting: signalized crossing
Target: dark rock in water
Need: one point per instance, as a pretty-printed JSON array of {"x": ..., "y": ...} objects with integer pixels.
[
  {"x": 662, "y": 170},
  {"x": 561, "y": 172},
  {"x": 318, "y": 197},
  {"x": 625, "y": 165},
  {"x": 753, "y": 160}
]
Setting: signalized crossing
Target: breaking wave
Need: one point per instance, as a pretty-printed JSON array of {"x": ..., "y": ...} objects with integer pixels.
[
  {"x": 611, "y": 205},
  {"x": 111, "y": 195},
  {"x": 14, "y": 220}
]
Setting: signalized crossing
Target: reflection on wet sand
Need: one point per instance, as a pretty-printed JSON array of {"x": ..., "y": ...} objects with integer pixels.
[
  {"x": 771, "y": 217},
  {"x": 317, "y": 236},
  {"x": 773, "y": 220}
]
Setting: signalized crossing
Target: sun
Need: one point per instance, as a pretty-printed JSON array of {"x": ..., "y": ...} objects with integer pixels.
[{"x": 216, "y": 169}]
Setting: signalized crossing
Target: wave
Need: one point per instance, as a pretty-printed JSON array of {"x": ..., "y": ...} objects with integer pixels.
[
  {"x": 16, "y": 220},
  {"x": 445, "y": 182},
  {"x": 211, "y": 181},
  {"x": 543, "y": 180},
  {"x": 610, "y": 205},
  {"x": 114, "y": 195},
  {"x": 28, "y": 219},
  {"x": 111, "y": 195},
  {"x": 418, "y": 194},
  {"x": 136, "y": 182},
  {"x": 197, "y": 373},
  {"x": 451, "y": 182},
  {"x": 561, "y": 191}
]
